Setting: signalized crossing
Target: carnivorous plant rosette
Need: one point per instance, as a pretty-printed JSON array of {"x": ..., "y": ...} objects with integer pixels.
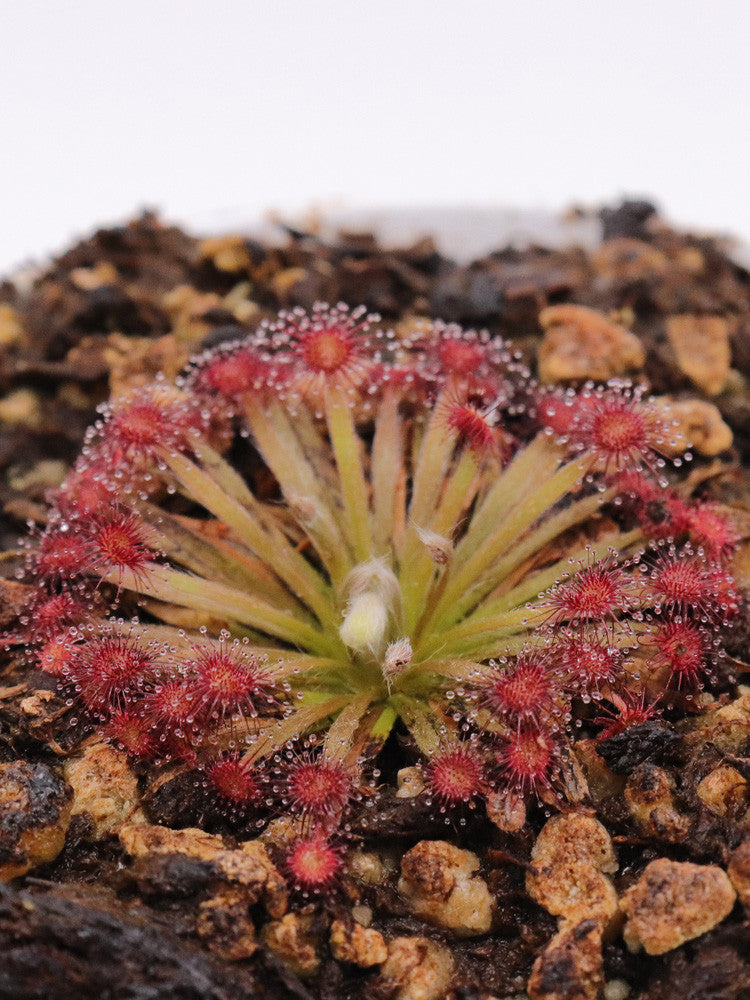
[{"x": 328, "y": 532}]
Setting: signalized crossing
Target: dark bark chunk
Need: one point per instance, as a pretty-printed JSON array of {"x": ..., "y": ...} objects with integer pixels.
[{"x": 55, "y": 948}]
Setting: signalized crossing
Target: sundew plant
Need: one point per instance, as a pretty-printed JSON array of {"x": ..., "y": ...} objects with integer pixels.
[{"x": 328, "y": 534}]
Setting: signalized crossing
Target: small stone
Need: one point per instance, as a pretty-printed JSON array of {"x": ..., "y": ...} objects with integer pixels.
[
  {"x": 11, "y": 330},
  {"x": 724, "y": 791},
  {"x": 416, "y": 969},
  {"x": 35, "y": 810},
  {"x": 701, "y": 344},
  {"x": 731, "y": 725},
  {"x": 570, "y": 967},
  {"x": 104, "y": 786},
  {"x": 696, "y": 424},
  {"x": 439, "y": 885},
  {"x": 648, "y": 794},
  {"x": 21, "y": 408},
  {"x": 44, "y": 475},
  {"x": 225, "y": 925},
  {"x": 227, "y": 253},
  {"x": 409, "y": 782},
  {"x": 251, "y": 867},
  {"x": 580, "y": 343},
  {"x": 616, "y": 989},
  {"x": 356, "y": 944},
  {"x": 134, "y": 361},
  {"x": 569, "y": 861},
  {"x": 506, "y": 810},
  {"x": 238, "y": 301},
  {"x": 625, "y": 258},
  {"x": 282, "y": 832},
  {"x": 738, "y": 870},
  {"x": 186, "y": 307},
  {"x": 88, "y": 279},
  {"x": 284, "y": 281},
  {"x": 291, "y": 940},
  {"x": 674, "y": 902},
  {"x": 576, "y": 836},
  {"x": 362, "y": 913},
  {"x": 366, "y": 866}
]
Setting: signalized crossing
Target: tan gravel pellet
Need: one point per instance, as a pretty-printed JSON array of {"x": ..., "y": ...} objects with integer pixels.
[
  {"x": 416, "y": 969},
  {"x": 439, "y": 884},
  {"x": 570, "y": 861},
  {"x": 580, "y": 343},
  {"x": 674, "y": 902}
]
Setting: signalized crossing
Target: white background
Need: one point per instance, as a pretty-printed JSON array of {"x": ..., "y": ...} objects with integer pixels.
[{"x": 219, "y": 110}]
